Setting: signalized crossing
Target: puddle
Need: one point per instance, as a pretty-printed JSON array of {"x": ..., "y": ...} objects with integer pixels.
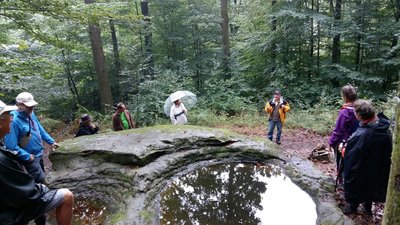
[
  {"x": 86, "y": 212},
  {"x": 236, "y": 193}
]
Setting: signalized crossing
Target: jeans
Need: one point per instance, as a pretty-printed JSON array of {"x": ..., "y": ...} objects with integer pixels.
[{"x": 272, "y": 125}]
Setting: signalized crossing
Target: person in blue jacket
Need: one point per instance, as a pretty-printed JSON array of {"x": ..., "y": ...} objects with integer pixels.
[
  {"x": 26, "y": 136},
  {"x": 25, "y": 139},
  {"x": 21, "y": 198}
]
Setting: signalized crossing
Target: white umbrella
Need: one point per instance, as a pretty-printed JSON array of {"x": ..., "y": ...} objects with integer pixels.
[{"x": 188, "y": 99}]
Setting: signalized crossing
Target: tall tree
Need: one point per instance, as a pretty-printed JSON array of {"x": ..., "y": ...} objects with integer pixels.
[
  {"x": 391, "y": 214},
  {"x": 117, "y": 61},
  {"x": 148, "y": 53},
  {"x": 225, "y": 37},
  {"x": 106, "y": 99},
  {"x": 337, "y": 16}
]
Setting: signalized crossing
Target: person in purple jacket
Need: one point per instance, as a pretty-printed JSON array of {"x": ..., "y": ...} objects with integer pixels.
[{"x": 346, "y": 122}]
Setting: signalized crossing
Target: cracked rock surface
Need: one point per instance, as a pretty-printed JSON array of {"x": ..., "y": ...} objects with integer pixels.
[{"x": 126, "y": 170}]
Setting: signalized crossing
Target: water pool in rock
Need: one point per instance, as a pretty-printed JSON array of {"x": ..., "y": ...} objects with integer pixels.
[{"x": 236, "y": 193}]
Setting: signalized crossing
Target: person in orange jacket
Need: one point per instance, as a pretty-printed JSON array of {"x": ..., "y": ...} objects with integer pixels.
[{"x": 276, "y": 108}]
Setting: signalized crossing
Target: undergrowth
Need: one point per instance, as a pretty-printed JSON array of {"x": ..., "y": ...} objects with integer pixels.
[{"x": 319, "y": 119}]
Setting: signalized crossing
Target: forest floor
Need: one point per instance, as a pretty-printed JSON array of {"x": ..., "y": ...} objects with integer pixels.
[
  {"x": 301, "y": 142},
  {"x": 298, "y": 142}
]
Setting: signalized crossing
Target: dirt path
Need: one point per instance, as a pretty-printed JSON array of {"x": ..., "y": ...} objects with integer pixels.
[{"x": 301, "y": 142}]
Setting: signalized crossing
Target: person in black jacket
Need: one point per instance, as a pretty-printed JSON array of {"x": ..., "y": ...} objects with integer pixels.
[
  {"x": 21, "y": 199},
  {"x": 367, "y": 159},
  {"x": 86, "y": 127}
]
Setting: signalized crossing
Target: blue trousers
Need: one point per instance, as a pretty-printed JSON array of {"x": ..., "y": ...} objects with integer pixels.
[{"x": 272, "y": 125}]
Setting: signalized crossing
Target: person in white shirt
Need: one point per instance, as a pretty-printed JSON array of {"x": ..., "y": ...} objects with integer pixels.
[{"x": 178, "y": 113}]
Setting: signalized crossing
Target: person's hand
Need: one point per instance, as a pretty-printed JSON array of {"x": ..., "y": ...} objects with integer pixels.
[
  {"x": 55, "y": 145},
  {"x": 31, "y": 158},
  {"x": 282, "y": 105},
  {"x": 330, "y": 149},
  {"x": 92, "y": 126}
]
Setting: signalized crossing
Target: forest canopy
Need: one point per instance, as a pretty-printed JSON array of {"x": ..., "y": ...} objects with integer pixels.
[{"x": 232, "y": 54}]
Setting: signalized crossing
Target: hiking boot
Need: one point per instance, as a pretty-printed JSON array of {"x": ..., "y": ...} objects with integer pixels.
[
  {"x": 350, "y": 209},
  {"x": 278, "y": 143}
]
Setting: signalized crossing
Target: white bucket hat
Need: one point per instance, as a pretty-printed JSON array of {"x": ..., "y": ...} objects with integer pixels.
[
  {"x": 6, "y": 108},
  {"x": 26, "y": 99}
]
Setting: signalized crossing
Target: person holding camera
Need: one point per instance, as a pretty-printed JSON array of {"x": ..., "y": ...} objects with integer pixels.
[
  {"x": 276, "y": 108},
  {"x": 86, "y": 126}
]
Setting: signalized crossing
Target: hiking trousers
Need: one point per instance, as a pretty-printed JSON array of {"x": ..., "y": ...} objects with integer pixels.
[{"x": 272, "y": 124}]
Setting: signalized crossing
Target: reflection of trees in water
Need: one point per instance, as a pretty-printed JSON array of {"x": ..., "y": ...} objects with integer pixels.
[{"x": 220, "y": 194}]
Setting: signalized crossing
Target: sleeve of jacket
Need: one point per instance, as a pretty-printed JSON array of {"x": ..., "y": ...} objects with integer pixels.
[
  {"x": 268, "y": 108},
  {"x": 172, "y": 115},
  {"x": 131, "y": 119},
  {"x": 337, "y": 134},
  {"x": 43, "y": 133},
  {"x": 96, "y": 129},
  {"x": 287, "y": 107},
  {"x": 17, "y": 188},
  {"x": 11, "y": 142},
  {"x": 184, "y": 108},
  {"x": 115, "y": 121}
]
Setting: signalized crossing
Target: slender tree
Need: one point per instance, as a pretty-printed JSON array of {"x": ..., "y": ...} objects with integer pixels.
[
  {"x": 225, "y": 37},
  {"x": 337, "y": 16},
  {"x": 148, "y": 53},
  {"x": 117, "y": 61},
  {"x": 106, "y": 99}
]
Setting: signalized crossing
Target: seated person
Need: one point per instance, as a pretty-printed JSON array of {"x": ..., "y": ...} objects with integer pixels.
[
  {"x": 86, "y": 127},
  {"x": 21, "y": 199}
]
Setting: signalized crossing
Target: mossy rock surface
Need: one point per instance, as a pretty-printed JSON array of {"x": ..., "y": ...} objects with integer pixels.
[{"x": 126, "y": 170}]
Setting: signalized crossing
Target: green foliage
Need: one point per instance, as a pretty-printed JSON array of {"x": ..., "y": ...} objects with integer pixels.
[
  {"x": 226, "y": 97},
  {"x": 45, "y": 49},
  {"x": 319, "y": 120},
  {"x": 51, "y": 125},
  {"x": 147, "y": 104}
]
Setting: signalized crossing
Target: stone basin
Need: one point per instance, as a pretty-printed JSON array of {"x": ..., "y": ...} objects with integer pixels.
[{"x": 127, "y": 170}]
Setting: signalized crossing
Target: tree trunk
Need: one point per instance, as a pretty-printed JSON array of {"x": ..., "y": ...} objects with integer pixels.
[
  {"x": 71, "y": 82},
  {"x": 336, "y": 38},
  {"x": 318, "y": 42},
  {"x": 148, "y": 53},
  {"x": 225, "y": 38},
  {"x": 273, "y": 44},
  {"x": 391, "y": 214},
  {"x": 106, "y": 99},
  {"x": 117, "y": 61},
  {"x": 311, "y": 65},
  {"x": 359, "y": 20},
  {"x": 337, "y": 14}
]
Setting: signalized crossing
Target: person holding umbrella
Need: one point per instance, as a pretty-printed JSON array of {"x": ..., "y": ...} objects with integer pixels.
[
  {"x": 178, "y": 113},
  {"x": 177, "y": 105}
]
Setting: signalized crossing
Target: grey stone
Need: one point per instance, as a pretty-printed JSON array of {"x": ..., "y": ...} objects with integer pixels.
[{"x": 126, "y": 170}]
